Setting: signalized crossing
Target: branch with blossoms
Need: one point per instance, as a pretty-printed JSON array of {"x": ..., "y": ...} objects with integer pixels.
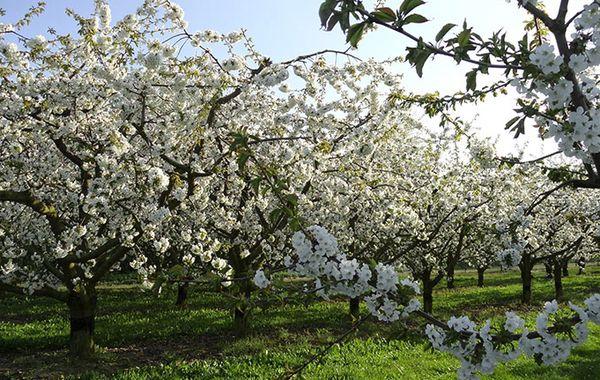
[
  {"x": 481, "y": 350},
  {"x": 388, "y": 299}
]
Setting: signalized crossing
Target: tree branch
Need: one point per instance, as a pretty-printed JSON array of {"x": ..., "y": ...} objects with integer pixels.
[
  {"x": 57, "y": 225},
  {"x": 43, "y": 292}
]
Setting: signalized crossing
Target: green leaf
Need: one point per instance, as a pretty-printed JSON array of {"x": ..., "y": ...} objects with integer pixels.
[
  {"x": 417, "y": 56},
  {"x": 445, "y": 29},
  {"x": 409, "y": 5},
  {"x": 306, "y": 187},
  {"x": 384, "y": 14},
  {"x": 472, "y": 80},
  {"x": 292, "y": 200},
  {"x": 421, "y": 62},
  {"x": 243, "y": 159},
  {"x": 414, "y": 19},
  {"x": 519, "y": 128},
  {"x": 255, "y": 183},
  {"x": 295, "y": 224},
  {"x": 512, "y": 121},
  {"x": 333, "y": 20},
  {"x": 345, "y": 21},
  {"x": 464, "y": 37},
  {"x": 239, "y": 139},
  {"x": 275, "y": 215},
  {"x": 484, "y": 69},
  {"x": 325, "y": 11},
  {"x": 355, "y": 33}
]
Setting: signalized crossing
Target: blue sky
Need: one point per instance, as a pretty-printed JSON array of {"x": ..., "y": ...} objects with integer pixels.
[{"x": 283, "y": 29}]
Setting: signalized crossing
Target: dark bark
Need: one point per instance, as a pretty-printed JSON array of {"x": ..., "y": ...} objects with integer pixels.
[
  {"x": 526, "y": 279},
  {"x": 480, "y": 272},
  {"x": 182, "y": 294},
  {"x": 428, "y": 285},
  {"x": 354, "y": 306},
  {"x": 241, "y": 313},
  {"x": 548, "y": 267},
  {"x": 427, "y": 298},
  {"x": 243, "y": 286},
  {"x": 558, "y": 285},
  {"x": 565, "y": 269},
  {"x": 82, "y": 315},
  {"x": 450, "y": 275}
]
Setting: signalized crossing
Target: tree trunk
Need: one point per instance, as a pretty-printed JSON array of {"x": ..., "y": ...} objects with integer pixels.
[
  {"x": 480, "y": 272},
  {"x": 82, "y": 314},
  {"x": 526, "y": 277},
  {"x": 241, "y": 313},
  {"x": 182, "y": 293},
  {"x": 427, "y": 291},
  {"x": 565, "y": 269},
  {"x": 558, "y": 286},
  {"x": 355, "y": 307},
  {"x": 581, "y": 265},
  {"x": 453, "y": 258},
  {"x": 549, "y": 271},
  {"x": 243, "y": 287},
  {"x": 450, "y": 274}
]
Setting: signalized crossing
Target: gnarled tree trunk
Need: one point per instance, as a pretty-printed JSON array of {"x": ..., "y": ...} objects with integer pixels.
[
  {"x": 82, "y": 315},
  {"x": 427, "y": 296},
  {"x": 526, "y": 266},
  {"x": 241, "y": 312},
  {"x": 428, "y": 285},
  {"x": 450, "y": 274},
  {"x": 454, "y": 257},
  {"x": 581, "y": 266},
  {"x": 480, "y": 272},
  {"x": 182, "y": 294}
]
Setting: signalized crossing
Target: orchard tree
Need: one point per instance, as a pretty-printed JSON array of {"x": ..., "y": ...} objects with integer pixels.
[
  {"x": 553, "y": 231},
  {"x": 77, "y": 189},
  {"x": 106, "y": 135},
  {"x": 574, "y": 237},
  {"x": 256, "y": 184},
  {"x": 359, "y": 192},
  {"x": 467, "y": 189}
]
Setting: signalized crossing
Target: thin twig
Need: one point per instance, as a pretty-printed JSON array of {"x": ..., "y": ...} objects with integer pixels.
[{"x": 326, "y": 349}]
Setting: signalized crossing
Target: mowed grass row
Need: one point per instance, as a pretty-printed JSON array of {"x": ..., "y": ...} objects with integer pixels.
[{"x": 141, "y": 336}]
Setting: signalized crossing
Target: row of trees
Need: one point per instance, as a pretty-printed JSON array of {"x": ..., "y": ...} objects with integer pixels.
[
  {"x": 117, "y": 150},
  {"x": 553, "y": 67}
]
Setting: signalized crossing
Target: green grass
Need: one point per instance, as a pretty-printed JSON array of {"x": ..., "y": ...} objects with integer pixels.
[{"x": 142, "y": 337}]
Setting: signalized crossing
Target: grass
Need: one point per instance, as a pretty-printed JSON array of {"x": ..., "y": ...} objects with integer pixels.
[{"x": 144, "y": 337}]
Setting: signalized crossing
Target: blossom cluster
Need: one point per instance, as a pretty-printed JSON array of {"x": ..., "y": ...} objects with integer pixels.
[
  {"x": 564, "y": 79},
  {"x": 318, "y": 256},
  {"x": 546, "y": 343}
]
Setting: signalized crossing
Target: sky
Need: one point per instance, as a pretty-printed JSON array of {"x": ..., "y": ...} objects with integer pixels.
[{"x": 284, "y": 29}]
